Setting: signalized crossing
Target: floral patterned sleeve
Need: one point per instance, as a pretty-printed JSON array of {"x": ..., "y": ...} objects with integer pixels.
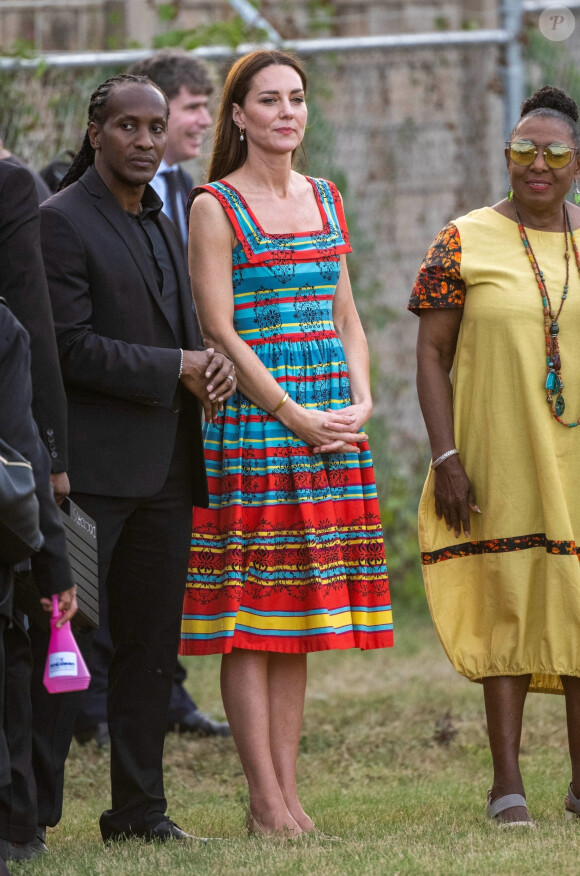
[{"x": 439, "y": 282}]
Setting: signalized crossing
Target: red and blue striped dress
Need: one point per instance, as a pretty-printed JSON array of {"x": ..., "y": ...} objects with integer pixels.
[{"x": 289, "y": 556}]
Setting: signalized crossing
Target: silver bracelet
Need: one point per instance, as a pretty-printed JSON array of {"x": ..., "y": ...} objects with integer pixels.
[
  {"x": 443, "y": 457},
  {"x": 180, "y": 365}
]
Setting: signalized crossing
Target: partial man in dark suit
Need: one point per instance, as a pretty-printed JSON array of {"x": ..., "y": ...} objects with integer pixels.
[
  {"x": 18, "y": 804},
  {"x": 43, "y": 190},
  {"x": 188, "y": 86},
  {"x": 134, "y": 368},
  {"x": 23, "y": 285}
]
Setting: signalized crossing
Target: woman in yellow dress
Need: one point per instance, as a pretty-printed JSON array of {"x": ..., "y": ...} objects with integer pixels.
[{"x": 499, "y": 520}]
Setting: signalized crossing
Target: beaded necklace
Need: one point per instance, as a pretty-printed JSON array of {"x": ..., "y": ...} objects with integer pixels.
[{"x": 554, "y": 382}]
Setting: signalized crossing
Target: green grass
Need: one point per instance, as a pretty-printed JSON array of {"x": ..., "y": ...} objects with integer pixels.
[{"x": 371, "y": 772}]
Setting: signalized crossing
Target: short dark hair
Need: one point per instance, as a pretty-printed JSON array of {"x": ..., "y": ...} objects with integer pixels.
[
  {"x": 98, "y": 113},
  {"x": 551, "y": 102},
  {"x": 172, "y": 69}
]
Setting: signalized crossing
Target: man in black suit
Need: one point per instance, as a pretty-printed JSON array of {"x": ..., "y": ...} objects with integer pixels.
[
  {"x": 133, "y": 368},
  {"x": 188, "y": 86},
  {"x": 23, "y": 285}
]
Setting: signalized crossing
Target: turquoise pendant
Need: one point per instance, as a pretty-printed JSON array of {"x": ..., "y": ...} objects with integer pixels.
[
  {"x": 551, "y": 381},
  {"x": 560, "y": 406}
]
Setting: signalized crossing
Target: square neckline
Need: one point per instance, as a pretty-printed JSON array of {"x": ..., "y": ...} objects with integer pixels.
[{"x": 281, "y": 236}]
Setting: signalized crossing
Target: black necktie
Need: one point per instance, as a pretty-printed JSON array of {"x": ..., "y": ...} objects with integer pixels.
[{"x": 173, "y": 199}]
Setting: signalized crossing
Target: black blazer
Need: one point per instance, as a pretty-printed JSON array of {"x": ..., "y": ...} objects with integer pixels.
[
  {"x": 119, "y": 356},
  {"x": 43, "y": 190},
  {"x": 23, "y": 285},
  {"x": 50, "y": 565}
]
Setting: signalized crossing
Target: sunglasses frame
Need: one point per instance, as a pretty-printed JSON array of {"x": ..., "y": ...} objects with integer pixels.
[{"x": 544, "y": 148}]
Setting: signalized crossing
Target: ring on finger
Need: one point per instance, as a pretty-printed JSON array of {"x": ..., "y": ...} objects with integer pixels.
[{"x": 229, "y": 377}]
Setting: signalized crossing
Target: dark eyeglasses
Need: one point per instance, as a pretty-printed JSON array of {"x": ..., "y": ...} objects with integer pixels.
[{"x": 524, "y": 152}]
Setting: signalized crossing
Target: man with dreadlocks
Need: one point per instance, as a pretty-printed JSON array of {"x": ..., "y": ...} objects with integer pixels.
[
  {"x": 187, "y": 84},
  {"x": 134, "y": 368}
]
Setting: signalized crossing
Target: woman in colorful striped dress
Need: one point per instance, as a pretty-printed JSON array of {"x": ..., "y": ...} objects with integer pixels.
[{"x": 289, "y": 556}]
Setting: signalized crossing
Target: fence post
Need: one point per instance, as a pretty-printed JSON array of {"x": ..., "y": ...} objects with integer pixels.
[{"x": 511, "y": 13}]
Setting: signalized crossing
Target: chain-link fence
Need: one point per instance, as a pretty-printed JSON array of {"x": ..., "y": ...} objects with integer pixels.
[{"x": 43, "y": 112}]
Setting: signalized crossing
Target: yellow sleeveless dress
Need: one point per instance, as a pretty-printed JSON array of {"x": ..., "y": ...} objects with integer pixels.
[{"x": 507, "y": 601}]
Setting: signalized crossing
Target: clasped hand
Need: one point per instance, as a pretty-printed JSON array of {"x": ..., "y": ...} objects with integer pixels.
[
  {"x": 337, "y": 431},
  {"x": 210, "y": 376},
  {"x": 454, "y": 496}
]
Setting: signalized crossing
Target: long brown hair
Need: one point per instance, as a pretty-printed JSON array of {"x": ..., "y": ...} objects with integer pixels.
[{"x": 229, "y": 152}]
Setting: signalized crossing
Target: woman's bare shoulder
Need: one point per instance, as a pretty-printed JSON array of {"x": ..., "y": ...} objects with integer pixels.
[
  {"x": 206, "y": 206},
  {"x": 208, "y": 220}
]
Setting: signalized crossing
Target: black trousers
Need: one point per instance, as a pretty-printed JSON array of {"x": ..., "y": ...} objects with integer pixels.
[
  {"x": 53, "y": 721},
  {"x": 93, "y": 701},
  {"x": 18, "y": 798},
  {"x": 143, "y": 557}
]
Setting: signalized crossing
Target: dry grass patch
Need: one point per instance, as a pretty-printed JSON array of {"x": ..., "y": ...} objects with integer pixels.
[{"x": 373, "y": 771}]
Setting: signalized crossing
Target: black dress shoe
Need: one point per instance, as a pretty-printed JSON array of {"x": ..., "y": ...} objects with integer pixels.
[
  {"x": 163, "y": 832},
  {"x": 199, "y": 724},
  {"x": 10, "y": 851},
  {"x": 168, "y": 830}
]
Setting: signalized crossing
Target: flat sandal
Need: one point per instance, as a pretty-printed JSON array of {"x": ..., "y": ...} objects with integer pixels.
[
  {"x": 571, "y": 804},
  {"x": 509, "y": 801}
]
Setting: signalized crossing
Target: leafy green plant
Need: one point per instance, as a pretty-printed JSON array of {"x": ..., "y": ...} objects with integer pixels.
[
  {"x": 44, "y": 111},
  {"x": 218, "y": 33},
  {"x": 167, "y": 11},
  {"x": 554, "y": 63},
  {"x": 19, "y": 49},
  {"x": 320, "y": 14}
]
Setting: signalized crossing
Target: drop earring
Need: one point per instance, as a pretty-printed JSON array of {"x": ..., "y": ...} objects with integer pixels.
[
  {"x": 510, "y": 194},
  {"x": 242, "y": 132},
  {"x": 577, "y": 191}
]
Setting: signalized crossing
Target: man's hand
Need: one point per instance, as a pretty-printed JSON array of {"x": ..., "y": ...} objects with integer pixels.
[
  {"x": 60, "y": 486},
  {"x": 67, "y": 603},
  {"x": 210, "y": 376}
]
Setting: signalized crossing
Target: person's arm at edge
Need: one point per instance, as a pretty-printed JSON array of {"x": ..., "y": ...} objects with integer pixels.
[{"x": 436, "y": 343}]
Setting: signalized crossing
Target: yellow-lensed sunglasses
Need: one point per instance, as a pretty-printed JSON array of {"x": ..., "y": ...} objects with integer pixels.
[{"x": 524, "y": 152}]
